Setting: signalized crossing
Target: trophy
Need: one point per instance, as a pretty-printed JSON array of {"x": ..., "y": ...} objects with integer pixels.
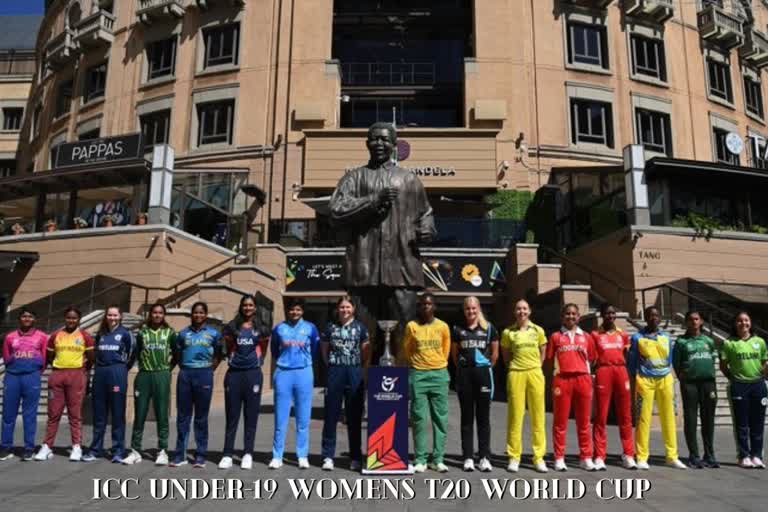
[{"x": 387, "y": 359}]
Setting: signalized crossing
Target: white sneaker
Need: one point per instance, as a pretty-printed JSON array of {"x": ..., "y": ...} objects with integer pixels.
[
  {"x": 77, "y": 453},
  {"x": 225, "y": 463},
  {"x": 600, "y": 465},
  {"x": 162, "y": 459},
  {"x": 513, "y": 466},
  {"x": 44, "y": 453},
  {"x": 133, "y": 458},
  {"x": 758, "y": 463},
  {"x": 643, "y": 465},
  {"x": 275, "y": 464},
  {"x": 247, "y": 462},
  {"x": 419, "y": 468},
  {"x": 560, "y": 465},
  {"x": 439, "y": 467},
  {"x": 485, "y": 465},
  {"x": 469, "y": 465},
  {"x": 628, "y": 462},
  {"x": 327, "y": 464},
  {"x": 541, "y": 467},
  {"x": 587, "y": 465},
  {"x": 303, "y": 463},
  {"x": 746, "y": 462},
  {"x": 677, "y": 464},
  {"x": 355, "y": 465}
]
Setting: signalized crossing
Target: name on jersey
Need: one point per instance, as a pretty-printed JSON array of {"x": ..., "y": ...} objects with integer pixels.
[
  {"x": 435, "y": 344},
  {"x": 24, "y": 354},
  {"x": 294, "y": 343},
  {"x": 155, "y": 346},
  {"x": 70, "y": 348},
  {"x": 612, "y": 345},
  {"x": 110, "y": 347},
  {"x": 700, "y": 355},
  {"x": 245, "y": 341},
  {"x": 473, "y": 344},
  {"x": 571, "y": 348},
  {"x": 747, "y": 356}
]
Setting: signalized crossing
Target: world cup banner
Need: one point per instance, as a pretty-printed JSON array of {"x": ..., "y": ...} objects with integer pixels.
[{"x": 387, "y": 421}]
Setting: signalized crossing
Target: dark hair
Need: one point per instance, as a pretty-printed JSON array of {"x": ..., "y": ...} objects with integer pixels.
[
  {"x": 199, "y": 304},
  {"x": 427, "y": 295},
  {"x": 73, "y": 309},
  {"x": 24, "y": 310},
  {"x": 381, "y": 125},
  {"x": 148, "y": 321},
  {"x": 604, "y": 308},
  {"x": 569, "y": 306},
  {"x": 104, "y": 326},
  {"x": 647, "y": 311},
  {"x": 734, "y": 333},
  {"x": 292, "y": 302},
  {"x": 239, "y": 319},
  {"x": 689, "y": 314}
]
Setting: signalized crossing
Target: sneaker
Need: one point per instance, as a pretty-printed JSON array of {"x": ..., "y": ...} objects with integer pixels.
[
  {"x": 275, "y": 464},
  {"x": 5, "y": 454},
  {"x": 303, "y": 463},
  {"x": 629, "y": 462},
  {"x": 77, "y": 453},
  {"x": 758, "y": 463},
  {"x": 28, "y": 455},
  {"x": 89, "y": 457},
  {"x": 439, "y": 467},
  {"x": 677, "y": 464},
  {"x": 327, "y": 464},
  {"x": 44, "y": 453},
  {"x": 199, "y": 462},
  {"x": 711, "y": 462},
  {"x": 600, "y": 465},
  {"x": 133, "y": 458},
  {"x": 469, "y": 465},
  {"x": 247, "y": 462},
  {"x": 485, "y": 465},
  {"x": 225, "y": 463},
  {"x": 355, "y": 465},
  {"x": 643, "y": 465},
  {"x": 746, "y": 462},
  {"x": 178, "y": 460},
  {"x": 513, "y": 466},
  {"x": 587, "y": 465},
  {"x": 420, "y": 468},
  {"x": 117, "y": 459},
  {"x": 541, "y": 467},
  {"x": 162, "y": 459},
  {"x": 560, "y": 465},
  {"x": 695, "y": 462}
]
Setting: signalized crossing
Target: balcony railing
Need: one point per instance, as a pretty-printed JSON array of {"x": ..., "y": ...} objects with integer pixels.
[
  {"x": 159, "y": 9},
  {"x": 61, "y": 49},
  {"x": 656, "y": 10},
  {"x": 387, "y": 73},
  {"x": 206, "y": 4},
  {"x": 600, "y": 4},
  {"x": 755, "y": 49},
  {"x": 721, "y": 27},
  {"x": 96, "y": 30}
]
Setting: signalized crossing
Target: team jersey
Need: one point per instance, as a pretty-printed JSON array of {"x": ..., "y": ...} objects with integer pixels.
[
  {"x": 745, "y": 358},
  {"x": 650, "y": 354},
  {"x": 524, "y": 345},
  {"x": 115, "y": 347},
  {"x": 198, "y": 346},
  {"x": 572, "y": 352},
  {"x": 475, "y": 345},
  {"x": 294, "y": 346},
  {"x": 611, "y": 347},
  {"x": 427, "y": 346},
  {"x": 154, "y": 348},
  {"x": 694, "y": 357},
  {"x": 345, "y": 343},
  {"x": 25, "y": 352},
  {"x": 69, "y": 348},
  {"x": 243, "y": 345}
]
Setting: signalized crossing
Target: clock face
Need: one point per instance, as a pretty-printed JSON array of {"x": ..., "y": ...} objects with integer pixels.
[{"x": 734, "y": 143}]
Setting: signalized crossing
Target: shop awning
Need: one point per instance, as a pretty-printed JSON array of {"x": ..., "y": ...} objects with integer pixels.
[
  {"x": 9, "y": 259},
  {"x": 659, "y": 166}
]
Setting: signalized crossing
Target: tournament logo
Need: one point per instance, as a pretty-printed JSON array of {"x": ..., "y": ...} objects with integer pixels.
[{"x": 388, "y": 384}]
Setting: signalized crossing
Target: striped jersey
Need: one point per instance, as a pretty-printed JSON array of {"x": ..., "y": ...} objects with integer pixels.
[
  {"x": 69, "y": 348},
  {"x": 154, "y": 348}
]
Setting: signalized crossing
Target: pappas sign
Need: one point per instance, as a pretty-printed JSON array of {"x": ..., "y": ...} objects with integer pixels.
[{"x": 107, "y": 149}]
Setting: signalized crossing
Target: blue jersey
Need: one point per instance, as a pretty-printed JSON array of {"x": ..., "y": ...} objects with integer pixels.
[
  {"x": 346, "y": 342},
  {"x": 197, "y": 347},
  {"x": 650, "y": 354},
  {"x": 115, "y": 347},
  {"x": 294, "y": 345},
  {"x": 242, "y": 345}
]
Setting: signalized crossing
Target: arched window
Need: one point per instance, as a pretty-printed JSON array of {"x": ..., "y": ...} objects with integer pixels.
[{"x": 74, "y": 14}]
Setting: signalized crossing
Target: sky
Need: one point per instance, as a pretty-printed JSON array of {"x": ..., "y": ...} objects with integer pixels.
[{"x": 21, "y": 7}]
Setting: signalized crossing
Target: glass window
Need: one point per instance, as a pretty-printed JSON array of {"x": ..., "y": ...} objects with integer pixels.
[
  {"x": 721, "y": 150},
  {"x": 720, "y": 80},
  {"x": 654, "y": 131},
  {"x": 221, "y": 45},
  {"x": 7, "y": 168},
  {"x": 753, "y": 95},
  {"x": 56, "y": 210},
  {"x": 161, "y": 58},
  {"x": 91, "y": 134},
  {"x": 587, "y": 45},
  {"x": 21, "y": 212},
  {"x": 36, "y": 118},
  {"x": 215, "y": 122},
  {"x": 759, "y": 148},
  {"x": 64, "y": 98},
  {"x": 120, "y": 203},
  {"x": 95, "y": 82},
  {"x": 591, "y": 122},
  {"x": 155, "y": 128},
  {"x": 648, "y": 57},
  {"x": 12, "y": 117}
]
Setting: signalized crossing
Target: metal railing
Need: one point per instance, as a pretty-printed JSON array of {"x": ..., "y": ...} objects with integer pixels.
[{"x": 387, "y": 73}]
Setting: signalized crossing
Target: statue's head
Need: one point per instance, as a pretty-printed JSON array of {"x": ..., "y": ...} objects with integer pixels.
[{"x": 381, "y": 142}]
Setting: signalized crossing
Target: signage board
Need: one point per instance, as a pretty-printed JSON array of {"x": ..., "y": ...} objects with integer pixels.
[
  {"x": 387, "y": 421},
  {"x": 105, "y": 149}
]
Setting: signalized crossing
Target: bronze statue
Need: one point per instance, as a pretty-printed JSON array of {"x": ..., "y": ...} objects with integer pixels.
[{"x": 384, "y": 214}]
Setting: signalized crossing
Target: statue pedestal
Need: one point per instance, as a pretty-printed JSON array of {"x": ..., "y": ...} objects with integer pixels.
[{"x": 387, "y": 421}]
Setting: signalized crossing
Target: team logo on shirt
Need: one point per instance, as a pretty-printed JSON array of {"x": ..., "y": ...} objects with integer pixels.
[
  {"x": 626, "y": 385},
  {"x": 136, "y": 393},
  {"x": 557, "y": 391},
  {"x": 256, "y": 388},
  {"x": 756, "y": 346},
  {"x": 764, "y": 402},
  {"x": 712, "y": 394},
  {"x": 116, "y": 389},
  {"x": 118, "y": 337}
]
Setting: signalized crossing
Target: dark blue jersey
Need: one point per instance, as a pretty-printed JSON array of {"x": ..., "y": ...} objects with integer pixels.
[{"x": 114, "y": 347}]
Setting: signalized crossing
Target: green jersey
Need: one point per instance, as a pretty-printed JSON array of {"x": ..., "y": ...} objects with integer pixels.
[
  {"x": 745, "y": 358},
  {"x": 154, "y": 348},
  {"x": 694, "y": 357}
]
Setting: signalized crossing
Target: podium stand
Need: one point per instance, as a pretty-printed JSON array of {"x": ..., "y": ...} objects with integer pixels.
[{"x": 387, "y": 421}]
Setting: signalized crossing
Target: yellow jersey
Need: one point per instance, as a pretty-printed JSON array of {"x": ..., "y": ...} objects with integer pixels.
[
  {"x": 427, "y": 346},
  {"x": 524, "y": 345},
  {"x": 69, "y": 349}
]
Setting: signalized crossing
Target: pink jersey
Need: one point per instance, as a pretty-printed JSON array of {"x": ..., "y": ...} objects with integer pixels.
[{"x": 25, "y": 352}]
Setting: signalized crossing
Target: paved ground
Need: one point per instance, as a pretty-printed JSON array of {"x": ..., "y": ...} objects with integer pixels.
[{"x": 61, "y": 485}]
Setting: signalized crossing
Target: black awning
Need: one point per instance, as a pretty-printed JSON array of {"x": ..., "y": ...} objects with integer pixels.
[
  {"x": 64, "y": 180},
  {"x": 659, "y": 166},
  {"x": 9, "y": 259}
]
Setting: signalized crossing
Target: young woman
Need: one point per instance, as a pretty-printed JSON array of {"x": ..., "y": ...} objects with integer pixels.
[
  {"x": 743, "y": 360},
  {"x": 650, "y": 363},
  {"x": 114, "y": 350},
  {"x": 70, "y": 351},
  {"x": 198, "y": 352},
  {"x": 694, "y": 363},
  {"x": 612, "y": 385},
  {"x": 427, "y": 345},
  {"x": 571, "y": 351},
  {"x": 474, "y": 351},
  {"x": 523, "y": 348},
  {"x": 24, "y": 353},
  {"x": 344, "y": 348},
  {"x": 154, "y": 348},
  {"x": 245, "y": 343},
  {"x": 294, "y": 346}
]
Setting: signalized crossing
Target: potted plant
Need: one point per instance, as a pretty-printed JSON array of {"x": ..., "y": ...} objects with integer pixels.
[
  {"x": 107, "y": 221},
  {"x": 79, "y": 223},
  {"x": 51, "y": 226}
]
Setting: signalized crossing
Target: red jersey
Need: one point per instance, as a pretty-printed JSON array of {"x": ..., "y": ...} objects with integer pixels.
[
  {"x": 611, "y": 347},
  {"x": 571, "y": 352}
]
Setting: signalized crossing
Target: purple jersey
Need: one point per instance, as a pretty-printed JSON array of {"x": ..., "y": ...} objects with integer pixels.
[{"x": 25, "y": 352}]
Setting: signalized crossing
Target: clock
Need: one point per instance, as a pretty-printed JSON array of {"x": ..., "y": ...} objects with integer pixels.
[{"x": 734, "y": 143}]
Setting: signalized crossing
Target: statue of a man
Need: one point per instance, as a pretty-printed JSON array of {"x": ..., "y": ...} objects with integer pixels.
[{"x": 384, "y": 212}]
